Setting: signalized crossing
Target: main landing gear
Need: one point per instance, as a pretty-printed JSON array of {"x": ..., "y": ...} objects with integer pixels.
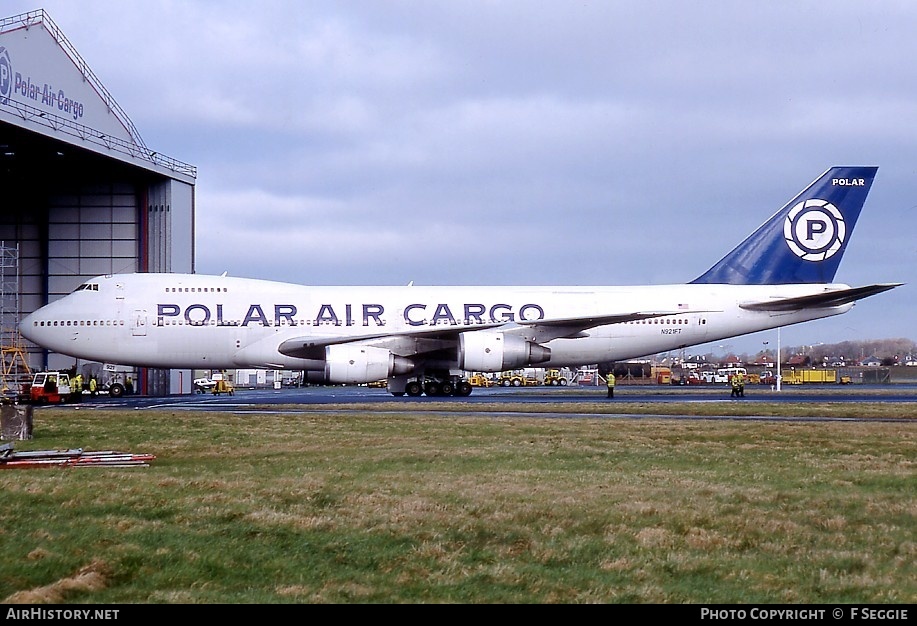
[{"x": 450, "y": 386}]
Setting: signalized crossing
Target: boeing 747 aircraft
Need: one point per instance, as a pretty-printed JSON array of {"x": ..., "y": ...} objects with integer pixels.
[{"x": 423, "y": 339}]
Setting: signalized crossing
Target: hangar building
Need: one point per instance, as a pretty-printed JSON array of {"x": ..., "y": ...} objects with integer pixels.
[{"x": 82, "y": 194}]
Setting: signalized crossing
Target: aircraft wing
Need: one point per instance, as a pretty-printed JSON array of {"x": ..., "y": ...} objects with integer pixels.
[
  {"x": 429, "y": 339},
  {"x": 424, "y": 339},
  {"x": 829, "y": 298}
]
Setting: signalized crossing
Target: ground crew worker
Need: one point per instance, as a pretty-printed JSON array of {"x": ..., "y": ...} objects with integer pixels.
[
  {"x": 129, "y": 386},
  {"x": 738, "y": 386},
  {"x": 93, "y": 386},
  {"x": 610, "y": 381},
  {"x": 76, "y": 388}
]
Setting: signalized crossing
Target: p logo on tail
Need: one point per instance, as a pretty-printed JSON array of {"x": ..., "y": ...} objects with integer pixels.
[{"x": 804, "y": 241}]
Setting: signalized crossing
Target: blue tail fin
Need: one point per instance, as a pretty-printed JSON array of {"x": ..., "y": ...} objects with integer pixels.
[{"x": 804, "y": 241}]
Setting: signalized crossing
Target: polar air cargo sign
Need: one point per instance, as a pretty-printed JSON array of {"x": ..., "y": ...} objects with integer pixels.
[
  {"x": 13, "y": 85},
  {"x": 416, "y": 314}
]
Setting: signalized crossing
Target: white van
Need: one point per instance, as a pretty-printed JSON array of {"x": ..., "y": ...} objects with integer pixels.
[{"x": 725, "y": 374}]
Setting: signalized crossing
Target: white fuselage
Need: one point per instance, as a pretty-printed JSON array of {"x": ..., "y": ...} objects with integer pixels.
[{"x": 214, "y": 322}]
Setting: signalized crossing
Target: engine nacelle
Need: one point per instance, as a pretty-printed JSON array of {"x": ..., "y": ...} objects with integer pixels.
[
  {"x": 485, "y": 351},
  {"x": 351, "y": 363}
]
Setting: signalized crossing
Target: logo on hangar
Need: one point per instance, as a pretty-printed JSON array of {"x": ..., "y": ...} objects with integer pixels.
[
  {"x": 6, "y": 75},
  {"x": 814, "y": 230}
]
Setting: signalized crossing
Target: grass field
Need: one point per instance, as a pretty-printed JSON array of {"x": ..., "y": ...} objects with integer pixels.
[{"x": 358, "y": 506}]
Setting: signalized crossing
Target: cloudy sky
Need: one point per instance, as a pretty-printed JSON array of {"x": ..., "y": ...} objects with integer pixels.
[{"x": 519, "y": 142}]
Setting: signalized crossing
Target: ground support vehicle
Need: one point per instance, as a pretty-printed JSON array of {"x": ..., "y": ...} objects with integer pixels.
[
  {"x": 222, "y": 386},
  {"x": 517, "y": 378},
  {"x": 202, "y": 385},
  {"x": 587, "y": 377},
  {"x": 47, "y": 388},
  {"x": 480, "y": 380},
  {"x": 554, "y": 378},
  {"x": 511, "y": 379},
  {"x": 798, "y": 377},
  {"x": 708, "y": 377}
]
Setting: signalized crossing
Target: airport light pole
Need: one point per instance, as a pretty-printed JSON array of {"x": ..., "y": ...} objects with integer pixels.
[{"x": 778, "y": 359}]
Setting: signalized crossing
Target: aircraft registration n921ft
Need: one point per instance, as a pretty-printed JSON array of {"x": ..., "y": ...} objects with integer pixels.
[{"x": 424, "y": 339}]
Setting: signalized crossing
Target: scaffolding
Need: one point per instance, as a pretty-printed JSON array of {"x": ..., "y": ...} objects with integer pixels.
[{"x": 15, "y": 369}]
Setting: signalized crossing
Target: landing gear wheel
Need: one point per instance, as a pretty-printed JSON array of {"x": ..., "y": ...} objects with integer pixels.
[
  {"x": 413, "y": 389},
  {"x": 447, "y": 388},
  {"x": 464, "y": 389},
  {"x": 432, "y": 389}
]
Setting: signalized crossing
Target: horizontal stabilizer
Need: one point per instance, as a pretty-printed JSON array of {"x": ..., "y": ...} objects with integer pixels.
[{"x": 834, "y": 297}]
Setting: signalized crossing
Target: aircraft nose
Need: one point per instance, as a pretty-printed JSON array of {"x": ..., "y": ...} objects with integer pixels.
[{"x": 26, "y": 326}]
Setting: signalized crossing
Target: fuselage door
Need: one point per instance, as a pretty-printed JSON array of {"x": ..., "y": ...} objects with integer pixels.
[{"x": 138, "y": 323}]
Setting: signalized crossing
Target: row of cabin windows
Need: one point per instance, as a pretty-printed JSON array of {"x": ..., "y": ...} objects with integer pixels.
[
  {"x": 658, "y": 320},
  {"x": 81, "y": 323},
  {"x": 197, "y": 289},
  {"x": 173, "y": 321},
  {"x": 283, "y": 322},
  {"x": 95, "y": 287}
]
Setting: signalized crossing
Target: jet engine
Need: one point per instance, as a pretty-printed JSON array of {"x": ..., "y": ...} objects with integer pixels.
[
  {"x": 352, "y": 363},
  {"x": 496, "y": 351}
]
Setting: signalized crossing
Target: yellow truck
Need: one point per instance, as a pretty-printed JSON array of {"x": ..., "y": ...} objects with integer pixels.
[
  {"x": 516, "y": 378},
  {"x": 222, "y": 385},
  {"x": 555, "y": 377},
  {"x": 799, "y": 377},
  {"x": 480, "y": 380},
  {"x": 510, "y": 379}
]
